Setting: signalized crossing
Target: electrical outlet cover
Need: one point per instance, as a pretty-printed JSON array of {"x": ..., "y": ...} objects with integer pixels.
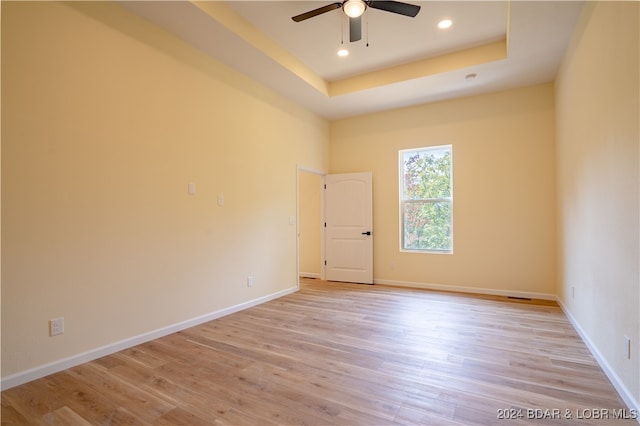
[{"x": 56, "y": 326}]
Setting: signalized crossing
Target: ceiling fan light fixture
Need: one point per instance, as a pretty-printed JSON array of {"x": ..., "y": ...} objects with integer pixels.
[{"x": 354, "y": 8}]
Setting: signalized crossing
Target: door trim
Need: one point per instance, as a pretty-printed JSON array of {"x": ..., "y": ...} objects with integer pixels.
[{"x": 322, "y": 175}]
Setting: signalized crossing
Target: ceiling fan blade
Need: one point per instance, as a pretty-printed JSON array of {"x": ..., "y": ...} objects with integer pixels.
[
  {"x": 316, "y": 12},
  {"x": 400, "y": 8},
  {"x": 355, "y": 28}
]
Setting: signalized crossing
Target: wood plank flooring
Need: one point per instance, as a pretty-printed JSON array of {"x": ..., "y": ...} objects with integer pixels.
[{"x": 343, "y": 354}]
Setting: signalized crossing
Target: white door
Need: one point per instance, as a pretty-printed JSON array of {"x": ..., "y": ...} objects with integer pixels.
[{"x": 348, "y": 229}]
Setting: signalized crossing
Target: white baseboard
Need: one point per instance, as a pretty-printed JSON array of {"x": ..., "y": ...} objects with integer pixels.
[
  {"x": 56, "y": 366},
  {"x": 461, "y": 289},
  {"x": 622, "y": 390}
]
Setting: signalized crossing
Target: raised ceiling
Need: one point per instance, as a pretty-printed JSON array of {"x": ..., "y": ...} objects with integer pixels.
[
  {"x": 388, "y": 39},
  {"x": 399, "y": 62}
]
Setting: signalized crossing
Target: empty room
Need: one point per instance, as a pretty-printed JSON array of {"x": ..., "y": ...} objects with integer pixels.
[{"x": 304, "y": 212}]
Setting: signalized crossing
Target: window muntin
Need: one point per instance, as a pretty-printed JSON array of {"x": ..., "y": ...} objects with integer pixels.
[{"x": 426, "y": 199}]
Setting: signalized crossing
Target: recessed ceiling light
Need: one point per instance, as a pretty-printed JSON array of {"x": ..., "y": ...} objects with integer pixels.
[
  {"x": 444, "y": 24},
  {"x": 471, "y": 76},
  {"x": 343, "y": 52}
]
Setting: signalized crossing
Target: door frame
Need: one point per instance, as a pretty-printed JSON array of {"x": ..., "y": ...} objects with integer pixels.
[{"x": 302, "y": 169}]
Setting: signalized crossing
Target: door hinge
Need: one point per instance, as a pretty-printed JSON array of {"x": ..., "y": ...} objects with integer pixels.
[
  {"x": 325, "y": 186},
  {"x": 325, "y": 224},
  {"x": 325, "y": 263}
]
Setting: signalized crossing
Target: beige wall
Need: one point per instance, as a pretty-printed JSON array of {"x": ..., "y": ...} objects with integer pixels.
[
  {"x": 309, "y": 213},
  {"x": 598, "y": 139},
  {"x": 105, "y": 121},
  {"x": 504, "y": 188}
]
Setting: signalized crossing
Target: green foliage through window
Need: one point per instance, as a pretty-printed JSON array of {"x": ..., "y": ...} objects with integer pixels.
[{"x": 426, "y": 198}]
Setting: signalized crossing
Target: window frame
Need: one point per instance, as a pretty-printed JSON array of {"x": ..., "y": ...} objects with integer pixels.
[{"x": 403, "y": 201}]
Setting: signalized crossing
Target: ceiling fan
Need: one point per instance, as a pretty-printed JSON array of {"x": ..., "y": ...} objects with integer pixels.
[{"x": 354, "y": 10}]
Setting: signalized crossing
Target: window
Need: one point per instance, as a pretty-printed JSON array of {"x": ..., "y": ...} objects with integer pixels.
[{"x": 426, "y": 199}]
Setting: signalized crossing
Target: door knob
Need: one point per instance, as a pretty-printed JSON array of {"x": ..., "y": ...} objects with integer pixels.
[{"x": 366, "y": 233}]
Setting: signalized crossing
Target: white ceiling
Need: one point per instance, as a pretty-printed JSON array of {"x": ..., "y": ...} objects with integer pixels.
[{"x": 299, "y": 60}]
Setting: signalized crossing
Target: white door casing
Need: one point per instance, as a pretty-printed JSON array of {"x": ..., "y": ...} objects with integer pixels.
[{"x": 349, "y": 227}]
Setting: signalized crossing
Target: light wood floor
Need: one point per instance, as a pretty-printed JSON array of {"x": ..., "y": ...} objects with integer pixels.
[{"x": 340, "y": 354}]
